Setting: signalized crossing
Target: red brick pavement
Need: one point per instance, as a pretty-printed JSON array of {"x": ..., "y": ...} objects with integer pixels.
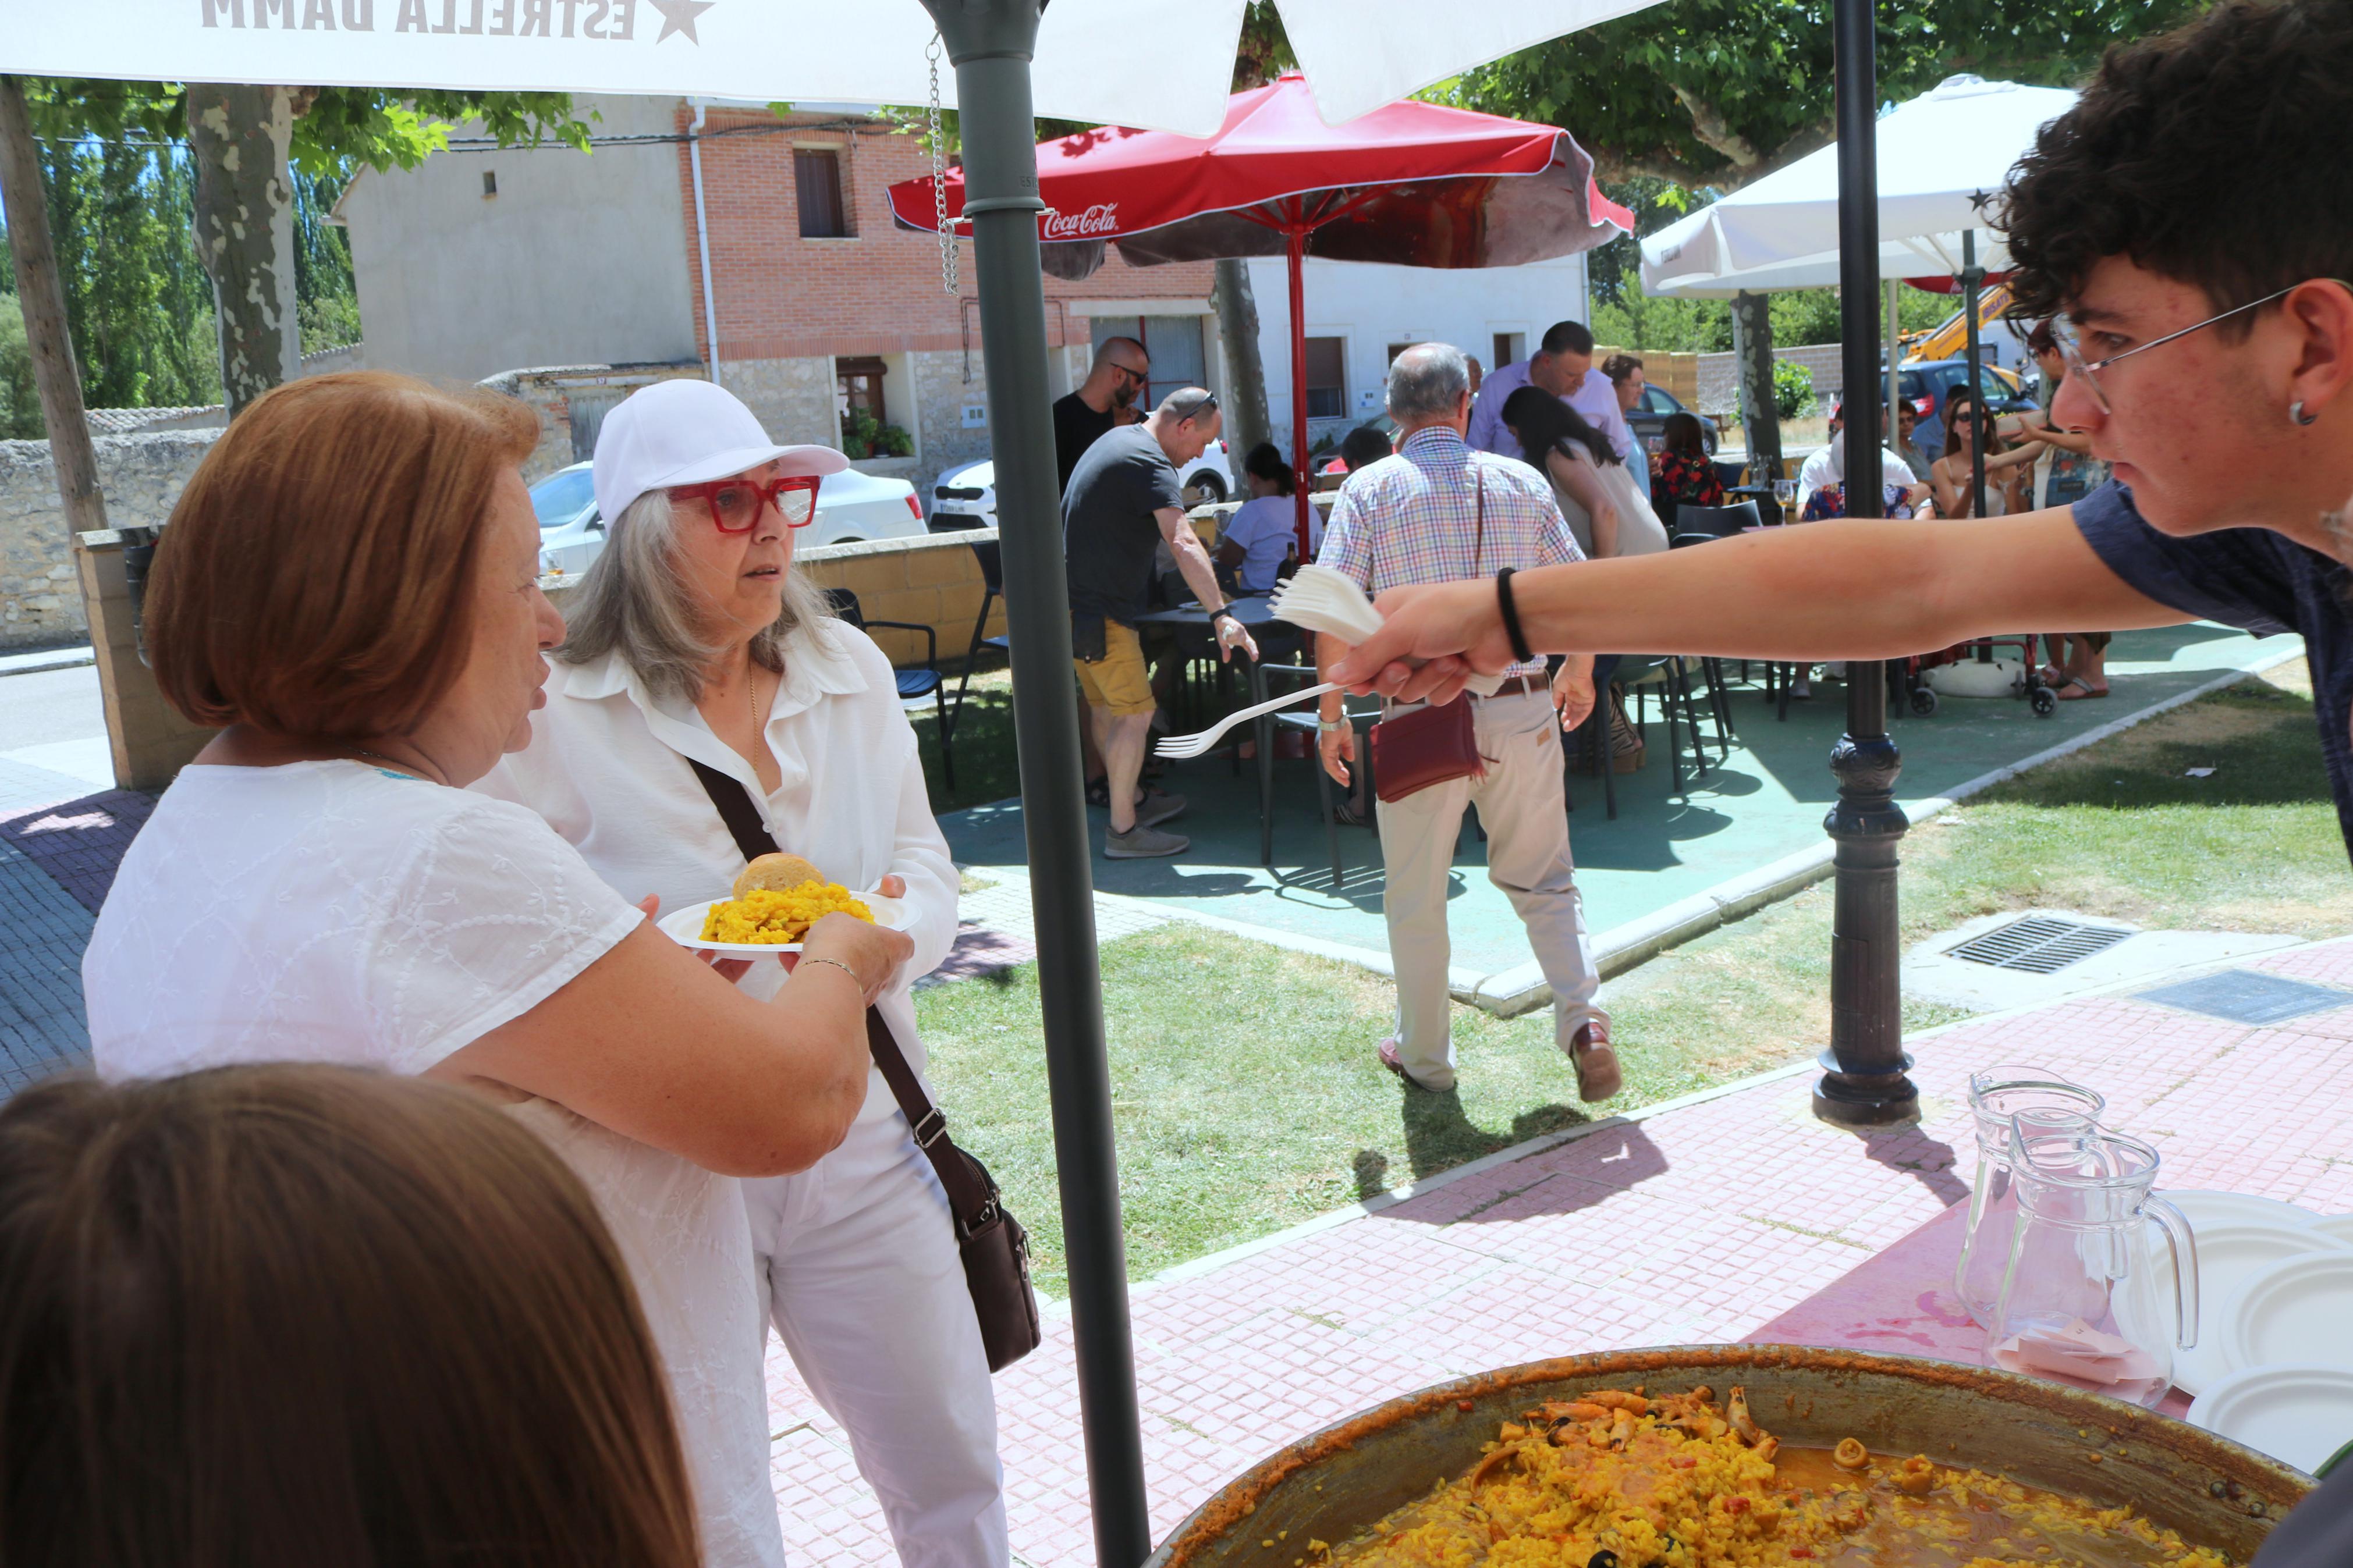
[
  {"x": 80, "y": 842},
  {"x": 1698, "y": 1223}
]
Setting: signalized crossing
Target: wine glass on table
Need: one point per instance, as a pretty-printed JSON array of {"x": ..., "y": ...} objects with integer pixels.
[{"x": 1785, "y": 492}]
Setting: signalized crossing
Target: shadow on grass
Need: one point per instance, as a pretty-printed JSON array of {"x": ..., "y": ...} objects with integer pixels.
[{"x": 2258, "y": 741}]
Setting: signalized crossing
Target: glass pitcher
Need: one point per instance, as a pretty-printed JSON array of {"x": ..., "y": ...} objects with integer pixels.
[
  {"x": 2082, "y": 1301},
  {"x": 1997, "y": 1094}
]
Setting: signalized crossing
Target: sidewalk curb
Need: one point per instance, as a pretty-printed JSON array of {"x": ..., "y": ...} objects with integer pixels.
[
  {"x": 46, "y": 659},
  {"x": 1522, "y": 988}
]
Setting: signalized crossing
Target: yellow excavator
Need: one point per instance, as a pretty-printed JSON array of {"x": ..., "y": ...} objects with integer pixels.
[{"x": 1950, "y": 337}]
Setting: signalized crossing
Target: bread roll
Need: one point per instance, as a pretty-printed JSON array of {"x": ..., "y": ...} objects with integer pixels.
[{"x": 777, "y": 873}]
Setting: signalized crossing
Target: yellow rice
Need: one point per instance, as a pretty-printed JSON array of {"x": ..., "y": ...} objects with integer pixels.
[{"x": 768, "y": 915}]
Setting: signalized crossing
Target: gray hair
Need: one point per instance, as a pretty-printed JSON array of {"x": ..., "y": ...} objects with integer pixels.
[
  {"x": 1429, "y": 381},
  {"x": 635, "y": 602}
]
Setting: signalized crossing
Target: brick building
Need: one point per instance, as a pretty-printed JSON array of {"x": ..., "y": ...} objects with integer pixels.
[{"x": 820, "y": 310}]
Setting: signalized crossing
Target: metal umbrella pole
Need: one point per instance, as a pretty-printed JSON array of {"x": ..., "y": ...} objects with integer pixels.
[
  {"x": 990, "y": 43},
  {"x": 1863, "y": 1082},
  {"x": 1973, "y": 280}
]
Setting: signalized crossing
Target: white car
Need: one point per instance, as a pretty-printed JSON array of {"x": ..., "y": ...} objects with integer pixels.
[
  {"x": 966, "y": 496},
  {"x": 850, "y": 507}
]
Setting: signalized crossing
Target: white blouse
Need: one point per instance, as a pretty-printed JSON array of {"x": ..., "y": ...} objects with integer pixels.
[
  {"x": 607, "y": 768},
  {"x": 331, "y": 912}
]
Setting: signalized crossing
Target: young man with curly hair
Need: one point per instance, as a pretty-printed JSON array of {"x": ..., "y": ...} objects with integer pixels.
[{"x": 2189, "y": 223}]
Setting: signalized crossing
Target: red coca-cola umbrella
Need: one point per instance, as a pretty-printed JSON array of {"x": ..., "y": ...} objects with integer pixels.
[{"x": 1412, "y": 183}]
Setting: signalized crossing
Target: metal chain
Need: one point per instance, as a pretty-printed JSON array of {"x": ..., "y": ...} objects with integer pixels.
[{"x": 948, "y": 258}]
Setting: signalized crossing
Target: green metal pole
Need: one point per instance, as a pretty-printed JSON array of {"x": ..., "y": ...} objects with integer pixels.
[{"x": 990, "y": 43}]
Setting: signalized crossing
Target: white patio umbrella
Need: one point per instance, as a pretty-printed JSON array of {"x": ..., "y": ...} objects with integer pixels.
[
  {"x": 1152, "y": 64},
  {"x": 1938, "y": 155},
  {"x": 1163, "y": 65}
]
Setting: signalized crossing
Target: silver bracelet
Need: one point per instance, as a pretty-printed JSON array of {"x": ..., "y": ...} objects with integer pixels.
[{"x": 843, "y": 967}]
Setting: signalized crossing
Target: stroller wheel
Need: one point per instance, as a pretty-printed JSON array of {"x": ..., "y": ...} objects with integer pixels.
[
  {"x": 1924, "y": 701},
  {"x": 2045, "y": 701}
]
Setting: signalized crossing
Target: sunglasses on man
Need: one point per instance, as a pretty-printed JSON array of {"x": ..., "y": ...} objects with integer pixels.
[{"x": 735, "y": 504}]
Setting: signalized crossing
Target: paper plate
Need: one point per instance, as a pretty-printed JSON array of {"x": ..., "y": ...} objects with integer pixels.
[
  {"x": 2295, "y": 1412},
  {"x": 2206, "y": 1210},
  {"x": 2295, "y": 1311},
  {"x": 2230, "y": 1254},
  {"x": 683, "y": 926},
  {"x": 2339, "y": 1225}
]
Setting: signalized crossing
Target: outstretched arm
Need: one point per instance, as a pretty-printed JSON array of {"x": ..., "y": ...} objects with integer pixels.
[{"x": 1841, "y": 589}]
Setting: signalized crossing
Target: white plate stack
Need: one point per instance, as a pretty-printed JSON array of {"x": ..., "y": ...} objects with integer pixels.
[{"x": 2274, "y": 1363}]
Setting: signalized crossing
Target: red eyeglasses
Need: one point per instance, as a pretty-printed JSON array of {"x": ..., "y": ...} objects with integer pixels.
[{"x": 735, "y": 503}]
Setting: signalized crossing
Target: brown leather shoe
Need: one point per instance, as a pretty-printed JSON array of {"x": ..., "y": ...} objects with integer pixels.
[
  {"x": 1396, "y": 1064},
  {"x": 1597, "y": 1076}
]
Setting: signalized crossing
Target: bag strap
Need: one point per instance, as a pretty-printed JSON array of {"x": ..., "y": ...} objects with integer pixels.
[
  {"x": 968, "y": 1200},
  {"x": 1479, "y": 538}
]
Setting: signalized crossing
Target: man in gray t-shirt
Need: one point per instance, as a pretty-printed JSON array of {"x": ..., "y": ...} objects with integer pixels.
[{"x": 1122, "y": 503}]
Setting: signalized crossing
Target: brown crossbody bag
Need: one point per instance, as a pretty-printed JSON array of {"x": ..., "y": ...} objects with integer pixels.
[
  {"x": 994, "y": 1247},
  {"x": 1427, "y": 746}
]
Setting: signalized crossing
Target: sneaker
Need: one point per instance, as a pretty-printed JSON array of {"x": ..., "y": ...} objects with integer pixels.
[
  {"x": 1158, "y": 806},
  {"x": 1596, "y": 1065},
  {"x": 1142, "y": 843}
]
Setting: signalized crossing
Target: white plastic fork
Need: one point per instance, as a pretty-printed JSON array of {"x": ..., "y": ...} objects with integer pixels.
[{"x": 1183, "y": 748}]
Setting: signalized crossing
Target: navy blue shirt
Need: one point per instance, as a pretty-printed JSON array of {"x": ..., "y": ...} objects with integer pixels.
[{"x": 2249, "y": 577}]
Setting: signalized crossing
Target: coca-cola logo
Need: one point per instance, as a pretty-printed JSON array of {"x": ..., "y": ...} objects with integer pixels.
[{"x": 1100, "y": 218}]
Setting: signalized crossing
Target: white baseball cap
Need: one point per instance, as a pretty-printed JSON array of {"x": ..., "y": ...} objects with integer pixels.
[{"x": 685, "y": 432}]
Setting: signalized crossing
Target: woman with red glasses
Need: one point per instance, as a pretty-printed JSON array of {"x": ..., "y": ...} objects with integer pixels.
[{"x": 699, "y": 666}]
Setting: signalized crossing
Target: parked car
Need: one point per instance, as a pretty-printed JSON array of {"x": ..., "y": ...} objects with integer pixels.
[
  {"x": 850, "y": 507},
  {"x": 965, "y": 495},
  {"x": 1925, "y": 387},
  {"x": 1648, "y": 420}
]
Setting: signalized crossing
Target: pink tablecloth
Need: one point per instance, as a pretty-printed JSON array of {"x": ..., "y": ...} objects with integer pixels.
[{"x": 1901, "y": 1301}]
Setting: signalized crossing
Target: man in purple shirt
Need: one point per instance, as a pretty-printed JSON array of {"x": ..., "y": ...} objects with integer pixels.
[{"x": 1562, "y": 365}]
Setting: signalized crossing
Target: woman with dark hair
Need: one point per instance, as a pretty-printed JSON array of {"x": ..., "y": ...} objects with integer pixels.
[
  {"x": 303, "y": 1314},
  {"x": 1953, "y": 476},
  {"x": 1682, "y": 474},
  {"x": 320, "y": 885},
  {"x": 1259, "y": 535},
  {"x": 1607, "y": 514}
]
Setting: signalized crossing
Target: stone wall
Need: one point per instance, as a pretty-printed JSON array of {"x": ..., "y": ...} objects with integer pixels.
[
  {"x": 934, "y": 581},
  {"x": 1719, "y": 380},
  {"x": 793, "y": 397},
  {"x": 941, "y": 396},
  {"x": 141, "y": 477}
]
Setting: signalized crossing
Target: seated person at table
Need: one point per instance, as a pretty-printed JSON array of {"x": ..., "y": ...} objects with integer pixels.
[
  {"x": 2215, "y": 375},
  {"x": 1682, "y": 474},
  {"x": 1260, "y": 536},
  {"x": 2009, "y": 470},
  {"x": 1823, "y": 484}
]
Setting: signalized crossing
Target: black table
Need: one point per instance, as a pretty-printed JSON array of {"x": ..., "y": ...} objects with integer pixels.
[{"x": 1253, "y": 611}]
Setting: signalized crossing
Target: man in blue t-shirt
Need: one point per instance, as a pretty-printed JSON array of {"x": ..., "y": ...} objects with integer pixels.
[{"x": 2209, "y": 364}]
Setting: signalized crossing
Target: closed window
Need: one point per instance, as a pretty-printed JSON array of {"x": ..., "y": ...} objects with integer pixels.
[
  {"x": 816, "y": 174},
  {"x": 1327, "y": 388},
  {"x": 1507, "y": 349}
]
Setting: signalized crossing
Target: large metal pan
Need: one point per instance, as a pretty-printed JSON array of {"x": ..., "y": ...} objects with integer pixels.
[{"x": 1331, "y": 1485}]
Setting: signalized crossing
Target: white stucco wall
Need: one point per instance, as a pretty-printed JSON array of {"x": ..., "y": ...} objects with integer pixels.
[
  {"x": 581, "y": 258},
  {"x": 1371, "y": 307}
]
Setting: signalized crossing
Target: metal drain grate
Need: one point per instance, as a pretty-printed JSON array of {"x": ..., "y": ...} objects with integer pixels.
[{"x": 2039, "y": 945}]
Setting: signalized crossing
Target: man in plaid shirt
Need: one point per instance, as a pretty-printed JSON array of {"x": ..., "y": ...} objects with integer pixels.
[{"x": 1438, "y": 511}]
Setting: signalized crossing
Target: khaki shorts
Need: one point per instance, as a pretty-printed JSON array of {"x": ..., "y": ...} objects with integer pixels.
[{"x": 1118, "y": 682}]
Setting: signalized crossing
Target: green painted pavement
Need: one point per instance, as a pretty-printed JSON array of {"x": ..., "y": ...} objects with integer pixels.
[{"x": 1767, "y": 801}]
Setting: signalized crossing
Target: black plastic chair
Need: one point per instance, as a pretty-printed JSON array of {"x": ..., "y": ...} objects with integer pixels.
[
  {"x": 1717, "y": 522},
  {"x": 992, "y": 588},
  {"x": 1719, "y": 699},
  {"x": 916, "y": 682},
  {"x": 1266, "y": 725}
]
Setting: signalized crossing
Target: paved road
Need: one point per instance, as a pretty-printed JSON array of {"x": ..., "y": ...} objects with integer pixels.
[{"x": 52, "y": 736}]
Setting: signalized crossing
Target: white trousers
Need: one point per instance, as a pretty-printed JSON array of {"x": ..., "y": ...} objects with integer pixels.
[
  {"x": 858, "y": 1270},
  {"x": 1523, "y": 807}
]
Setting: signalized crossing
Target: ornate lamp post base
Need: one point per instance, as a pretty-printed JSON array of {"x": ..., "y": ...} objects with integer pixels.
[{"x": 1863, "y": 1082}]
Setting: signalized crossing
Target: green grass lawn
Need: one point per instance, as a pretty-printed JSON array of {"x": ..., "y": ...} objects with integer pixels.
[{"x": 1247, "y": 1097}]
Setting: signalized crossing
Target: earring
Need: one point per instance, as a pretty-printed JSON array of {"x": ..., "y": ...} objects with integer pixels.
[{"x": 2297, "y": 416}]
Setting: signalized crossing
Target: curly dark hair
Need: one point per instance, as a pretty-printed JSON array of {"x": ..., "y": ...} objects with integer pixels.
[{"x": 2201, "y": 155}]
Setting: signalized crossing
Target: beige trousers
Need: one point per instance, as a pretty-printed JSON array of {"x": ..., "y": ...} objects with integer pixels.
[{"x": 1522, "y": 808}]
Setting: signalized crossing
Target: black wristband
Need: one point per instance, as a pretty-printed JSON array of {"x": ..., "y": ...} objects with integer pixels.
[{"x": 1521, "y": 652}]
